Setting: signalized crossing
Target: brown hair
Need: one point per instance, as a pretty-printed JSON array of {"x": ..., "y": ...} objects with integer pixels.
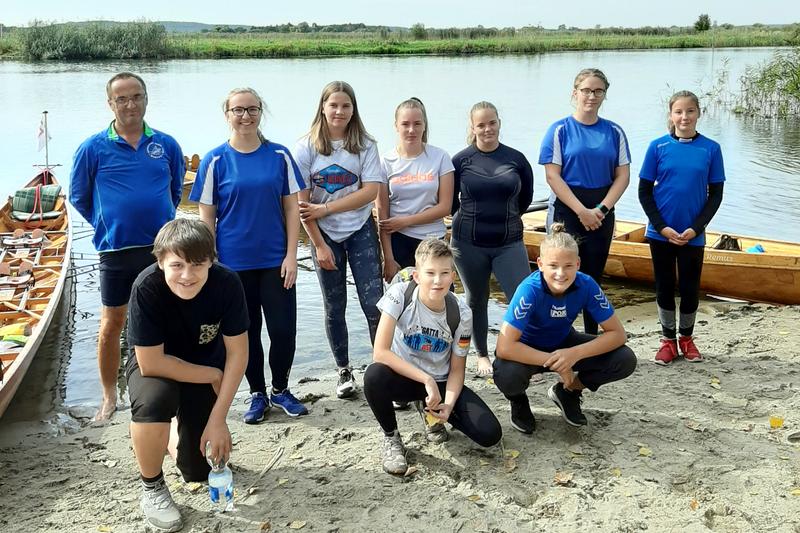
[
  {"x": 674, "y": 98},
  {"x": 124, "y": 76},
  {"x": 477, "y": 107},
  {"x": 414, "y": 103},
  {"x": 356, "y": 133},
  {"x": 590, "y": 73},
  {"x": 432, "y": 248},
  {"x": 558, "y": 238},
  {"x": 261, "y": 104},
  {"x": 189, "y": 238}
]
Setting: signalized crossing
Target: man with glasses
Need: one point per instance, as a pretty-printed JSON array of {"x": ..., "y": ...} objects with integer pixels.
[{"x": 126, "y": 182}]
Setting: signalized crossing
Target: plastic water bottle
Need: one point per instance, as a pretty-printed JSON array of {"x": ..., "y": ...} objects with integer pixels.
[{"x": 220, "y": 485}]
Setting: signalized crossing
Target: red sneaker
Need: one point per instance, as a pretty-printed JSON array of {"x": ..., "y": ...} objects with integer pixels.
[
  {"x": 689, "y": 350},
  {"x": 667, "y": 353}
]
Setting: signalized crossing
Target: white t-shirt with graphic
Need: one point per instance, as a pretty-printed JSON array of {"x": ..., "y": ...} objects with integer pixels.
[
  {"x": 334, "y": 176},
  {"x": 414, "y": 187},
  {"x": 422, "y": 336}
]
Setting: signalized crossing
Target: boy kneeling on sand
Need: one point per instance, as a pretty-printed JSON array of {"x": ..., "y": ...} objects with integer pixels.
[
  {"x": 537, "y": 335},
  {"x": 420, "y": 354},
  {"x": 187, "y": 322}
]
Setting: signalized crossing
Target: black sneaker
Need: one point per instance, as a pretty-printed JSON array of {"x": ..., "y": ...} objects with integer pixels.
[
  {"x": 522, "y": 418},
  {"x": 346, "y": 387},
  {"x": 569, "y": 402}
]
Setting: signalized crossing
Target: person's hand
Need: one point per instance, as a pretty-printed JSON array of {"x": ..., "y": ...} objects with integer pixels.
[
  {"x": 442, "y": 412},
  {"x": 433, "y": 399},
  {"x": 591, "y": 219},
  {"x": 390, "y": 269},
  {"x": 392, "y": 224},
  {"x": 309, "y": 211},
  {"x": 289, "y": 271},
  {"x": 673, "y": 236},
  {"x": 325, "y": 257},
  {"x": 562, "y": 360},
  {"x": 216, "y": 379},
  {"x": 217, "y": 439},
  {"x": 688, "y": 235}
]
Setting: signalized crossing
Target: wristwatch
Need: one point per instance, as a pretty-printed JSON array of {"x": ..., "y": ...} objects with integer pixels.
[{"x": 603, "y": 209}]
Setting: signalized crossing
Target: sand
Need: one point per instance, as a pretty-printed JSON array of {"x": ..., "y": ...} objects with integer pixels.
[{"x": 682, "y": 448}]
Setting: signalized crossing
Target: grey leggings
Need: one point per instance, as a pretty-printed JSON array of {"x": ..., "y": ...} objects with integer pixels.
[{"x": 475, "y": 264}]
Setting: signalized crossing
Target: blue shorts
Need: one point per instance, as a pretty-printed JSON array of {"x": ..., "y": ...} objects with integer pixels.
[{"x": 118, "y": 271}]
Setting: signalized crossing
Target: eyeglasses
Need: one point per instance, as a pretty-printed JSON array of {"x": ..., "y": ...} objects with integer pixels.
[
  {"x": 253, "y": 111},
  {"x": 125, "y": 100},
  {"x": 598, "y": 93}
]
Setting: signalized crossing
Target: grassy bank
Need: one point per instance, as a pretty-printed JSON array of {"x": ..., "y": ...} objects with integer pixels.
[{"x": 147, "y": 40}]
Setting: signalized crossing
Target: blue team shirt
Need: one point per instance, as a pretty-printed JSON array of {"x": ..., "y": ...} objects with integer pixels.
[
  {"x": 681, "y": 172},
  {"x": 588, "y": 155},
  {"x": 544, "y": 319},
  {"x": 126, "y": 194},
  {"x": 248, "y": 191}
]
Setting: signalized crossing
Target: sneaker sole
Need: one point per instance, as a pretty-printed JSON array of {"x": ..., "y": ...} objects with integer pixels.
[
  {"x": 253, "y": 422},
  {"x": 694, "y": 360},
  {"x": 347, "y": 393},
  {"x": 662, "y": 363},
  {"x": 552, "y": 396},
  {"x": 161, "y": 528},
  {"x": 287, "y": 411},
  {"x": 521, "y": 430}
]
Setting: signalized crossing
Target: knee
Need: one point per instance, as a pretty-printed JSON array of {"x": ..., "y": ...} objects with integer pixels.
[
  {"x": 510, "y": 377},
  {"x": 491, "y": 431},
  {"x": 625, "y": 361},
  {"x": 156, "y": 404},
  {"x": 376, "y": 378},
  {"x": 112, "y": 320}
]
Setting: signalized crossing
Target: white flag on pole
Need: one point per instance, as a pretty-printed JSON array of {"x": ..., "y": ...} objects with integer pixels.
[{"x": 40, "y": 135}]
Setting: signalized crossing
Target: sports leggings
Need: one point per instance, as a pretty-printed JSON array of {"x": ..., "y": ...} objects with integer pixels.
[
  {"x": 689, "y": 262},
  {"x": 470, "y": 415},
  {"x": 475, "y": 264}
]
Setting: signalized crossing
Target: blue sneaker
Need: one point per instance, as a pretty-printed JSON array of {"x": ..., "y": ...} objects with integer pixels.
[
  {"x": 258, "y": 408},
  {"x": 286, "y": 401}
]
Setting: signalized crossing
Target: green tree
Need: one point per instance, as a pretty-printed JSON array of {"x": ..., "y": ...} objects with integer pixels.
[
  {"x": 418, "y": 31},
  {"x": 703, "y": 23}
]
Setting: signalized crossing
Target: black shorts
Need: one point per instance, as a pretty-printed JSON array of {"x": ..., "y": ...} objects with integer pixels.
[
  {"x": 157, "y": 400},
  {"x": 118, "y": 271}
]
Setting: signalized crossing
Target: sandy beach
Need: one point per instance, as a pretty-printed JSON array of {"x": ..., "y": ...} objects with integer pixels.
[{"x": 683, "y": 448}]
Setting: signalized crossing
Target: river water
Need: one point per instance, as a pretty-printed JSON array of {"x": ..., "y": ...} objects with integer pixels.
[{"x": 762, "y": 157}]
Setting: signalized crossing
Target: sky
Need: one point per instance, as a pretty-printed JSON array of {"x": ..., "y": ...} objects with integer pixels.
[{"x": 431, "y": 13}]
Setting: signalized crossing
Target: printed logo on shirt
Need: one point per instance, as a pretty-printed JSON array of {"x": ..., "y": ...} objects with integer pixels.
[
  {"x": 412, "y": 178},
  {"x": 426, "y": 340},
  {"x": 463, "y": 342},
  {"x": 334, "y": 178},
  {"x": 155, "y": 150},
  {"x": 521, "y": 309},
  {"x": 602, "y": 300},
  {"x": 393, "y": 298},
  {"x": 558, "y": 311},
  {"x": 208, "y": 332}
]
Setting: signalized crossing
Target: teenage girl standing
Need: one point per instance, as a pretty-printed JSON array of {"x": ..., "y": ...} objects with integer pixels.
[
  {"x": 493, "y": 188},
  {"x": 680, "y": 189},
  {"x": 419, "y": 192},
  {"x": 247, "y": 193},
  {"x": 340, "y": 163},
  {"x": 587, "y": 165}
]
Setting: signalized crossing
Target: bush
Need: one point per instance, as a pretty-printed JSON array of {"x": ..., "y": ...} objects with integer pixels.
[
  {"x": 132, "y": 40},
  {"x": 703, "y": 23}
]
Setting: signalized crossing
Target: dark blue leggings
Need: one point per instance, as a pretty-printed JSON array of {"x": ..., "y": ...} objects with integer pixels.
[
  {"x": 470, "y": 415},
  {"x": 360, "y": 250}
]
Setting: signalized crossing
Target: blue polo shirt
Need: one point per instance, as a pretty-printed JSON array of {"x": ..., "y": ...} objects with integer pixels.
[
  {"x": 681, "y": 171},
  {"x": 588, "y": 154},
  {"x": 248, "y": 190},
  {"x": 126, "y": 194},
  {"x": 544, "y": 319}
]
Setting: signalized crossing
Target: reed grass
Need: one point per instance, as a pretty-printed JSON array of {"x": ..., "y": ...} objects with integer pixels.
[
  {"x": 67, "y": 42},
  {"x": 772, "y": 89}
]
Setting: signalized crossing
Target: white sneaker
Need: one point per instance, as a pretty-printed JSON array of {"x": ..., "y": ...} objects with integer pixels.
[
  {"x": 347, "y": 384},
  {"x": 394, "y": 454},
  {"x": 159, "y": 509}
]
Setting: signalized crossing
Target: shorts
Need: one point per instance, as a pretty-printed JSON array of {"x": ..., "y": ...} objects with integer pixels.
[
  {"x": 157, "y": 400},
  {"x": 118, "y": 271}
]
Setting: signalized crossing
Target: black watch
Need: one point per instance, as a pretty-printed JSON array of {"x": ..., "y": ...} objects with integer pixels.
[{"x": 603, "y": 209}]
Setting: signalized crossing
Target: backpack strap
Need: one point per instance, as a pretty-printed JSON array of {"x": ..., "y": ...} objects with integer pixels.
[{"x": 450, "y": 303}]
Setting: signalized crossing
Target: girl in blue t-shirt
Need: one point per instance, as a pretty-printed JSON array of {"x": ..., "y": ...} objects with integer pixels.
[
  {"x": 247, "y": 192},
  {"x": 340, "y": 164},
  {"x": 680, "y": 189},
  {"x": 587, "y": 165},
  {"x": 537, "y": 335}
]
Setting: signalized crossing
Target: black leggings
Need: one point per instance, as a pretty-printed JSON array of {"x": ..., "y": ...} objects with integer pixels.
[
  {"x": 403, "y": 249},
  {"x": 689, "y": 262},
  {"x": 157, "y": 400},
  {"x": 470, "y": 415},
  {"x": 513, "y": 378},
  {"x": 593, "y": 246},
  {"x": 263, "y": 289}
]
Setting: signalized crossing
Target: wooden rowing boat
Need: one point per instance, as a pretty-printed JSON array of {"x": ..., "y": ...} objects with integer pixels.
[
  {"x": 772, "y": 276},
  {"x": 191, "y": 174},
  {"x": 29, "y": 305}
]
